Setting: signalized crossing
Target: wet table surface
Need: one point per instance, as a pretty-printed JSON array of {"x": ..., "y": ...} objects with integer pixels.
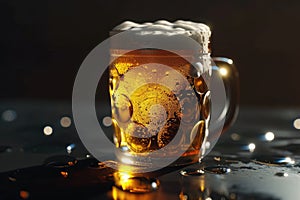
[{"x": 41, "y": 156}]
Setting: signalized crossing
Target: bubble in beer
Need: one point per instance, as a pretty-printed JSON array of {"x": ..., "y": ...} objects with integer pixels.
[
  {"x": 149, "y": 96},
  {"x": 158, "y": 116},
  {"x": 138, "y": 137},
  {"x": 173, "y": 81},
  {"x": 168, "y": 132}
]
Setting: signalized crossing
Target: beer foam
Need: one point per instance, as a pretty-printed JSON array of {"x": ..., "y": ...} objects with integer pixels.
[{"x": 197, "y": 31}]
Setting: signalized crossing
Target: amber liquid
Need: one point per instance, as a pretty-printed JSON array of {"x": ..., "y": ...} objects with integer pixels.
[{"x": 155, "y": 95}]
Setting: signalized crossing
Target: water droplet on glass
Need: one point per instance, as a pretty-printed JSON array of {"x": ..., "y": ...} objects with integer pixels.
[
  {"x": 197, "y": 134},
  {"x": 123, "y": 108},
  {"x": 200, "y": 85},
  {"x": 65, "y": 122},
  {"x": 205, "y": 110},
  {"x": 60, "y": 161},
  {"x": 9, "y": 115},
  {"x": 192, "y": 172},
  {"x": 48, "y": 130},
  {"x": 217, "y": 169},
  {"x": 207, "y": 144},
  {"x": 124, "y": 148},
  {"x": 190, "y": 109},
  {"x": 281, "y": 174},
  {"x": 70, "y": 148}
]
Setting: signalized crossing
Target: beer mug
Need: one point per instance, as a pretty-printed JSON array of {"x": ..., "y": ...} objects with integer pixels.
[{"x": 161, "y": 99}]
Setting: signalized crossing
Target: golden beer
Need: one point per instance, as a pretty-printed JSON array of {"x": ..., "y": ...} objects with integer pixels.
[{"x": 155, "y": 95}]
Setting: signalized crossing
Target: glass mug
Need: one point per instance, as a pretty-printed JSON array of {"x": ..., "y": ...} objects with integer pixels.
[{"x": 157, "y": 94}]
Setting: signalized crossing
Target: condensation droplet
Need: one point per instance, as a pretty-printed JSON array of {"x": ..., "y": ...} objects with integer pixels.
[
  {"x": 123, "y": 108},
  {"x": 197, "y": 135},
  {"x": 205, "y": 110},
  {"x": 190, "y": 109},
  {"x": 200, "y": 85},
  {"x": 207, "y": 144}
]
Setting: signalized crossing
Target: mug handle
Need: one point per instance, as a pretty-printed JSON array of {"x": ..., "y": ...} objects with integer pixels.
[{"x": 230, "y": 76}]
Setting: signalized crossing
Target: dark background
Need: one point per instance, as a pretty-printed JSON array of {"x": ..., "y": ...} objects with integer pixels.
[{"x": 42, "y": 43}]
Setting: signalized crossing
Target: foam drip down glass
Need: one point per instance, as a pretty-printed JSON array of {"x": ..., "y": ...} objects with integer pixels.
[{"x": 161, "y": 98}]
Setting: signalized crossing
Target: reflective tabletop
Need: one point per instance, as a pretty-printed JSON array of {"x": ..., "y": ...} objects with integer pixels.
[{"x": 41, "y": 156}]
